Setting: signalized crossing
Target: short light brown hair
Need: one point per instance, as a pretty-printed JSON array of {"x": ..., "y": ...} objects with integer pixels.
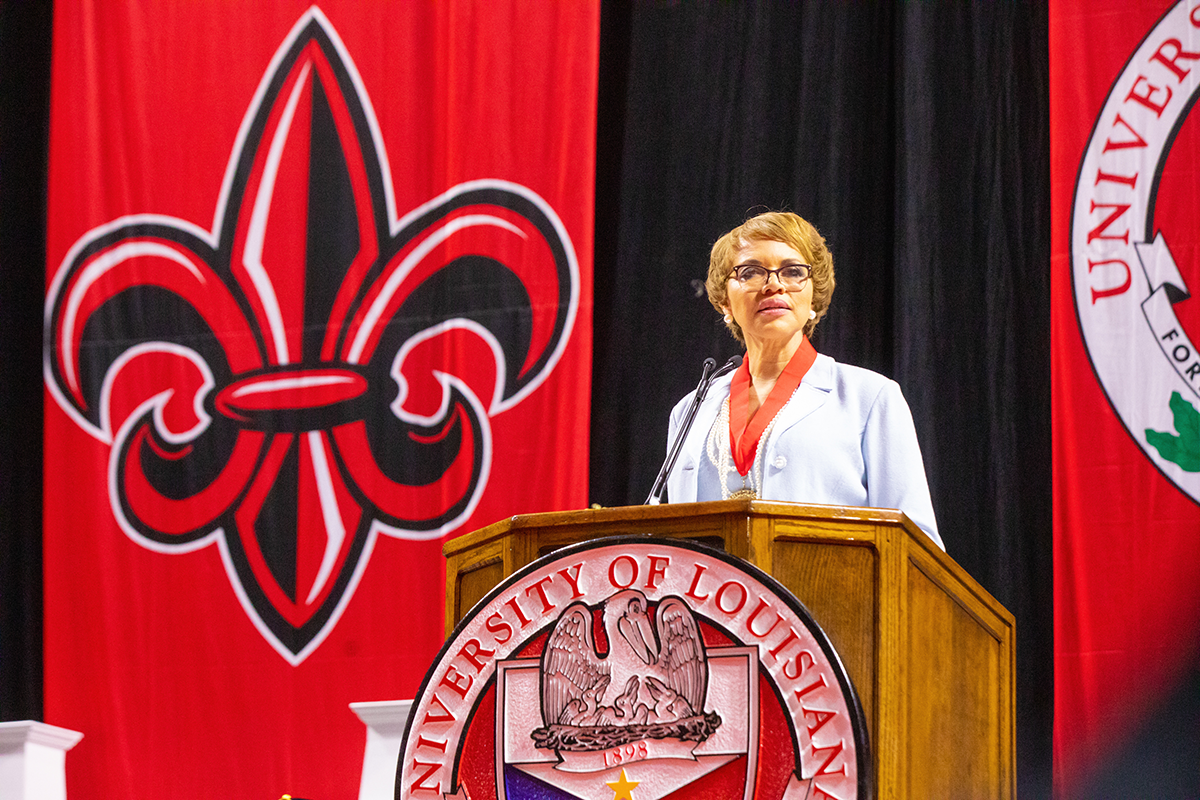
[{"x": 772, "y": 226}]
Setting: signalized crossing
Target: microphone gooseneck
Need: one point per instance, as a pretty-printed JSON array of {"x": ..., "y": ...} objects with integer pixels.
[{"x": 709, "y": 374}]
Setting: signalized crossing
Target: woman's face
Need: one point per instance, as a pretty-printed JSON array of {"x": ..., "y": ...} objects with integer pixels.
[{"x": 770, "y": 315}]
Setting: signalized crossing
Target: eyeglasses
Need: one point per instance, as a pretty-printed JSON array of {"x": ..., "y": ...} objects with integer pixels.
[{"x": 754, "y": 277}]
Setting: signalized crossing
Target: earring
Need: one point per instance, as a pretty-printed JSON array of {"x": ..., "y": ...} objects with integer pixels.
[
  {"x": 812, "y": 314},
  {"x": 728, "y": 319}
]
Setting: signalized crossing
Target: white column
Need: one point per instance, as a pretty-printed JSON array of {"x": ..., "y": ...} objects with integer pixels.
[
  {"x": 33, "y": 759},
  {"x": 385, "y": 722}
]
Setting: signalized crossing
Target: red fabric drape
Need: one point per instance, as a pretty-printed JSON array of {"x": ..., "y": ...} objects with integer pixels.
[
  {"x": 318, "y": 296},
  {"x": 1126, "y": 524}
]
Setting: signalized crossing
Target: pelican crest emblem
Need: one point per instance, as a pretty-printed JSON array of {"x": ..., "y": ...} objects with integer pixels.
[
  {"x": 642, "y": 668},
  {"x": 651, "y": 683}
]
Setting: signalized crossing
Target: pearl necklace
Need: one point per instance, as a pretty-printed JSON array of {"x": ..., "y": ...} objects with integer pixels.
[{"x": 720, "y": 454}]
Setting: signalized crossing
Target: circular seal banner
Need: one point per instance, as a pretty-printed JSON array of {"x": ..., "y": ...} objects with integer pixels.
[
  {"x": 633, "y": 668},
  {"x": 1133, "y": 240}
]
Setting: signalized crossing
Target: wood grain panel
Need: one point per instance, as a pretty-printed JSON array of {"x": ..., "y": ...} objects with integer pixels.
[
  {"x": 953, "y": 668},
  {"x": 837, "y": 584},
  {"x": 474, "y": 585}
]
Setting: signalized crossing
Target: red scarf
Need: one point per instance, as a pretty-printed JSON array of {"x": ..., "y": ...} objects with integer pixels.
[{"x": 745, "y": 432}]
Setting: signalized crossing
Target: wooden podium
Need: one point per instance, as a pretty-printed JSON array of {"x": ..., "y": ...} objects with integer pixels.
[{"x": 930, "y": 652}]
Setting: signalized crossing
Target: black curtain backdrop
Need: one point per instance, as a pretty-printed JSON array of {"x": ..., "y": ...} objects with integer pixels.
[
  {"x": 914, "y": 136},
  {"x": 24, "y": 126}
]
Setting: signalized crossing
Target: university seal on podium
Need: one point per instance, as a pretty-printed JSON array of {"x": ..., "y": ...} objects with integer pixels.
[{"x": 638, "y": 669}]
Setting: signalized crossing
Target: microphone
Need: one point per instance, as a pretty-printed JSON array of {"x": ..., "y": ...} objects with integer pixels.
[{"x": 709, "y": 374}]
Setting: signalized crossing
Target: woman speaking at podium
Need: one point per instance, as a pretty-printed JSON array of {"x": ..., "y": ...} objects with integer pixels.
[{"x": 789, "y": 423}]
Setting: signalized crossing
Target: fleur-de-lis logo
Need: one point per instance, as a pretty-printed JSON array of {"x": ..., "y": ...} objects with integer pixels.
[{"x": 314, "y": 371}]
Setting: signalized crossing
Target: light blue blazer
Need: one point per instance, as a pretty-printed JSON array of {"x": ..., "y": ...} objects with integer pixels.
[{"x": 846, "y": 437}]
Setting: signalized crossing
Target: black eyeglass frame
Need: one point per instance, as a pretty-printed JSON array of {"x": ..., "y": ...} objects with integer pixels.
[{"x": 737, "y": 274}]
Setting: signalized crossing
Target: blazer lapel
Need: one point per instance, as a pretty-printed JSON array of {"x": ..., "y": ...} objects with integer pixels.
[{"x": 813, "y": 392}]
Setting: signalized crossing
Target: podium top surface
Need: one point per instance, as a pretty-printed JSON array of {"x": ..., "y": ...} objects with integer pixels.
[
  {"x": 851, "y": 524},
  {"x": 666, "y": 511}
]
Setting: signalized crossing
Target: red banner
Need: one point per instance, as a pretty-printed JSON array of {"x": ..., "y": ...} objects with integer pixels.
[
  {"x": 1126, "y": 372},
  {"x": 318, "y": 297}
]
